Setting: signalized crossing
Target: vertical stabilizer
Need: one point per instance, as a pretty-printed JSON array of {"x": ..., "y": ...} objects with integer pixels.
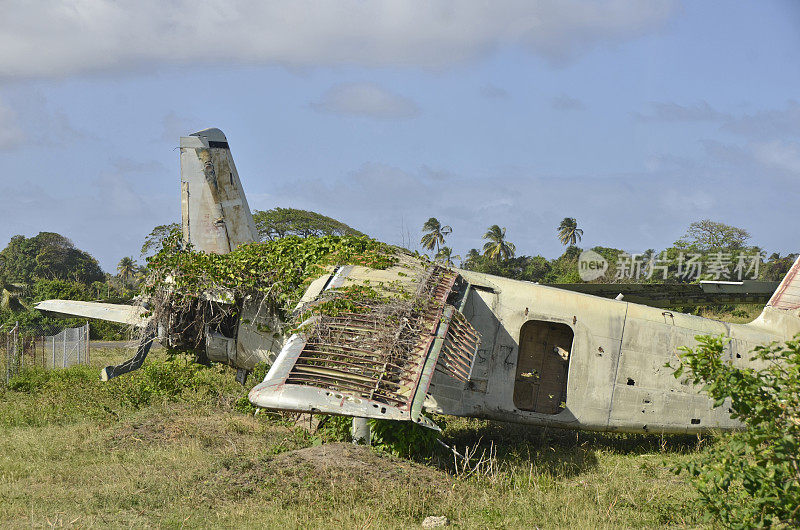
[
  {"x": 787, "y": 296},
  {"x": 781, "y": 315},
  {"x": 214, "y": 211}
]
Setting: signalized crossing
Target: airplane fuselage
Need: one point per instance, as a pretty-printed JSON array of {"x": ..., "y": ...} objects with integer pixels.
[{"x": 614, "y": 377}]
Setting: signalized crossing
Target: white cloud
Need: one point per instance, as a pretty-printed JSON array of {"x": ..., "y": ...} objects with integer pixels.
[
  {"x": 28, "y": 118},
  {"x": 176, "y": 126},
  {"x": 494, "y": 92},
  {"x": 564, "y": 102},
  {"x": 47, "y": 38},
  {"x": 670, "y": 111},
  {"x": 10, "y": 134},
  {"x": 108, "y": 216},
  {"x": 768, "y": 123},
  {"x": 772, "y": 161},
  {"x": 366, "y": 99},
  {"x": 780, "y": 155},
  {"x": 630, "y": 211},
  {"x": 764, "y": 123}
]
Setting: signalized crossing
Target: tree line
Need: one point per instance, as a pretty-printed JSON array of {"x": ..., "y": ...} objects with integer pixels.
[
  {"x": 704, "y": 241},
  {"x": 49, "y": 265}
]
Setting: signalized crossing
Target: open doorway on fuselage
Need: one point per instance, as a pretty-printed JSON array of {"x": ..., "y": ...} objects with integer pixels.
[{"x": 541, "y": 381}]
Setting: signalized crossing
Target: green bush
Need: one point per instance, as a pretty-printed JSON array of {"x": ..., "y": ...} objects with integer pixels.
[
  {"x": 178, "y": 378},
  {"x": 335, "y": 429},
  {"x": 749, "y": 478},
  {"x": 258, "y": 374},
  {"x": 405, "y": 439}
]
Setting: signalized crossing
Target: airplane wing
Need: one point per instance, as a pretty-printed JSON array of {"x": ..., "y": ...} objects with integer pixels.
[
  {"x": 347, "y": 367},
  {"x": 122, "y": 314}
]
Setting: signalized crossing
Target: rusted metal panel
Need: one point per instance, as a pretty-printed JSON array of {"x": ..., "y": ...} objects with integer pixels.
[
  {"x": 364, "y": 359},
  {"x": 354, "y": 358},
  {"x": 458, "y": 348}
]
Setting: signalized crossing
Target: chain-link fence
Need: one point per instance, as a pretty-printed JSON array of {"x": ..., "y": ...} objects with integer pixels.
[
  {"x": 67, "y": 348},
  {"x": 42, "y": 346}
]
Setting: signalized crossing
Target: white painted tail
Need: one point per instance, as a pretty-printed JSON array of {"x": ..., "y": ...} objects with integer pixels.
[
  {"x": 787, "y": 296},
  {"x": 214, "y": 211},
  {"x": 781, "y": 316}
]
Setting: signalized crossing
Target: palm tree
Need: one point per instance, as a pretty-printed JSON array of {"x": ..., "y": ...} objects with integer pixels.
[
  {"x": 497, "y": 248},
  {"x": 126, "y": 268},
  {"x": 472, "y": 258},
  {"x": 434, "y": 234},
  {"x": 568, "y": 231},
  {"x": 446, "y": 256}
]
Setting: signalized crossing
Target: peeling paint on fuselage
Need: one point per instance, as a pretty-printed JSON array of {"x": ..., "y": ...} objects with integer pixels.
[{"x": 617, "y": 379}]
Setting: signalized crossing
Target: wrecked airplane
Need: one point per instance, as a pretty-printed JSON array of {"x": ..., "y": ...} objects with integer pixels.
[{"x": 451, "y": 341}]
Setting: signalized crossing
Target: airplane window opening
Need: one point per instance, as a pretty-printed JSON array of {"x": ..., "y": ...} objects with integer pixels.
[{"x": 541, "y": 381}]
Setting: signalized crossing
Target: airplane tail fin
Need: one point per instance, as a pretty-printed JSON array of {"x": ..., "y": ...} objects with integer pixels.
[
  {"x": 787, "y": 295},
  {"x": 781, "y": 315},
  {"x": 214, "y": 211}
]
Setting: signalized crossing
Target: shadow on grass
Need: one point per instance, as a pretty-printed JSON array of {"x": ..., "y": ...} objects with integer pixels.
[{"x": 560, "y": 452}]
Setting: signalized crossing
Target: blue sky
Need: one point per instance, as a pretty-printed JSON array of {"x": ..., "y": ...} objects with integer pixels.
[{"x": 636, "y": 118}]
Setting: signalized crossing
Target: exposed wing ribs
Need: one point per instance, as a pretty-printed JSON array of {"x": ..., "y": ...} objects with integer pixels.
[{"x": 385, "y": 357}]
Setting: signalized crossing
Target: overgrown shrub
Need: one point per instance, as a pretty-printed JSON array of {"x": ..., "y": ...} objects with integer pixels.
[
  {"x": 176, "y": 378},
  {"x": 402, "y": 438},
  {"x": 36, "y": 378},
  {"x": 749, "y": 478},
  {"x": 258, "y": 374},
  {"x": 272, "y": 275},
  {"x": 335, "y": 429}
]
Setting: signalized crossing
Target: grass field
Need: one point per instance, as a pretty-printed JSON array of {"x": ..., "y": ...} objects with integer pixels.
[{"x": 165, "y": 447}]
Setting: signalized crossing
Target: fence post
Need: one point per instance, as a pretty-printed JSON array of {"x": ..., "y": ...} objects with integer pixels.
[
  {"x": 64, "y": 351},
  {"x": 12, "y": 352},
  {"x": 16, "y": 348},
  {"x": 88, "y": 359}
]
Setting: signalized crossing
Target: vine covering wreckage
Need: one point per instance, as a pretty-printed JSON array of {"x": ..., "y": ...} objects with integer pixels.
[{"x": 366, "y": 338}]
